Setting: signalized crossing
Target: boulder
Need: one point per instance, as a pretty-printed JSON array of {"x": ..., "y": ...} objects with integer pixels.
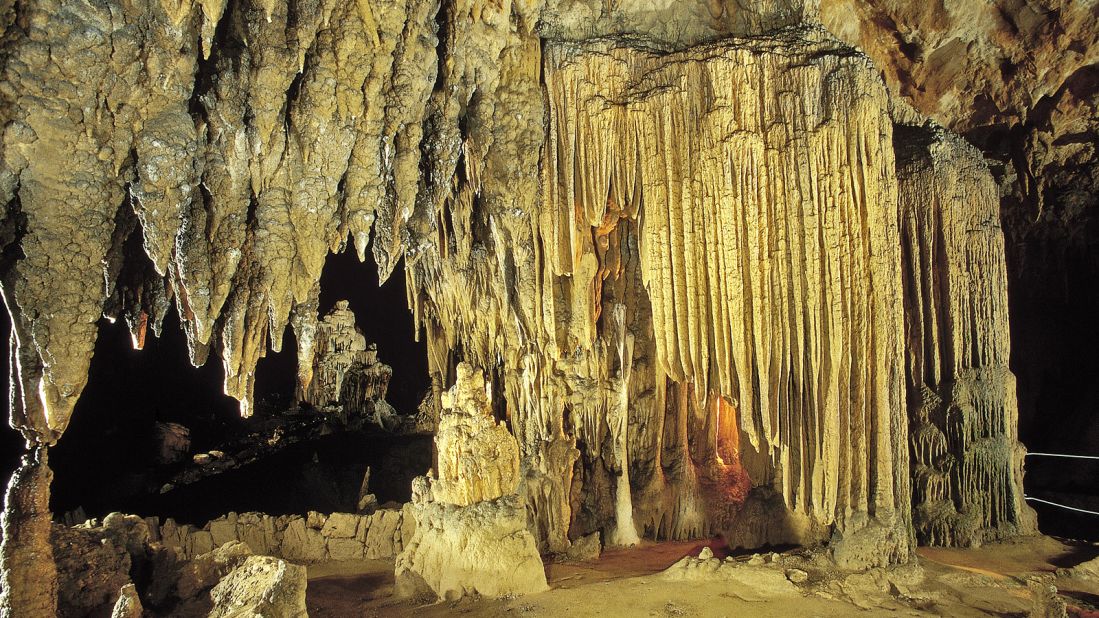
[
  {"x": 341, "y": 526},
  {"x": 261, "y": 586},
  {"x": 483, "y": 549},
  {"x": 302, "y": 544},
  {"x": 91, "y": 571}
]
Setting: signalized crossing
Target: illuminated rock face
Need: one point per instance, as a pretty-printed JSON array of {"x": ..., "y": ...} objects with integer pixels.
[
  {"x": 966, "y": 459},
  {"x": 346, "y": 371},
  {"x": 685, "y": 256}
]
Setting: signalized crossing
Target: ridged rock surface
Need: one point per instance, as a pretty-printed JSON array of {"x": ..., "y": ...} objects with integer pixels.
[
  {"x": 674, "y": 242},
  {"x": 966, "y": 458}
]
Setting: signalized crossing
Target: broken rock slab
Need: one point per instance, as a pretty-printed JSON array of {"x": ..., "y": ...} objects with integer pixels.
[
  {"x": 261, "y": 586},
  {"x": 751, "y": 582}
]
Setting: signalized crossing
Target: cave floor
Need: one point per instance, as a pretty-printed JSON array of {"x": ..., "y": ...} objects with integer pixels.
[{"x": 988, "y": 581}]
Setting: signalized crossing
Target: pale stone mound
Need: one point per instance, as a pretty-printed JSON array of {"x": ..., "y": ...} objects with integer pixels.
[
  {"x": 752, "y": 581},
  {"x": 483, "y": 549},
  {"x": 261, "y": 586},
  {"x": 471, "y": 532}
]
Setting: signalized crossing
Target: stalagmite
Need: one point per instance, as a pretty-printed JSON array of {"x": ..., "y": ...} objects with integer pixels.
[
  {"x": 967, "y": 487},
  {"x": 345, "y": 372},
  {"x": 28, "y": 574},
  {"x": 471, "y": 535}
]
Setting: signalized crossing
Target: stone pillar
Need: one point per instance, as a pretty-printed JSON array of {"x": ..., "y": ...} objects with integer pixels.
[{"x": 28, "y": 573}]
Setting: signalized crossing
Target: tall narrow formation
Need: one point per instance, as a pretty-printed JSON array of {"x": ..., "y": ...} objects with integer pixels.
[
  {"x": 346, "y": 371},
  {"x": 966, "y": 458},
  {"x": 471, "y": 535},
  {"x": 28, "y": 573}
]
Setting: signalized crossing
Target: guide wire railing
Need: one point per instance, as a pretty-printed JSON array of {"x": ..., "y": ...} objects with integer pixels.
[{"x": 1057, "y": 504}]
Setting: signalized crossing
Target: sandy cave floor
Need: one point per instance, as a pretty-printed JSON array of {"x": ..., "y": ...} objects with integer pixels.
[{"x": 988, "y": 581}]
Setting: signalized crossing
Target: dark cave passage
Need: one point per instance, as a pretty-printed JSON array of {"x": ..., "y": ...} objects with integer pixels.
[{"x": 109, "y": 458}]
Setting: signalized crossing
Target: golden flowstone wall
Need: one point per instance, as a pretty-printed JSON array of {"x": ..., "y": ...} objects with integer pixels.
[{"x": 762, "y": 177}]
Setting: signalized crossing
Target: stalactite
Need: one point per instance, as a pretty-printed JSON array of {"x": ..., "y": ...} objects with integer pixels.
[{"x": 767, "y": 233}]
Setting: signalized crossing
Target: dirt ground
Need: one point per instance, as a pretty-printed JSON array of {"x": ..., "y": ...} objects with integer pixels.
[{"x": 988, "y": 581}]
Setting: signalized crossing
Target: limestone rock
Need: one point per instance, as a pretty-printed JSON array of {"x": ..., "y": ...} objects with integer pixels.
[
  {"x": 483, "y": 548},
  {"x": 173, "y": 442},
  {"x": 346, "y": 372},
  {"x": 470, "y": 532},
  {"x": 584, "y": 549},
  {"x": 750, "y": 582},
  {"x": 128, "y": 604},
  {"x": 301, "y": 543},
  {"x": 1088, "y": 570},
  {"x": 91, "y": 571},
  {"x": 206, "y": 570},
  {"x": 478, "y": 458},
  {"x": 261, "y": 586}
]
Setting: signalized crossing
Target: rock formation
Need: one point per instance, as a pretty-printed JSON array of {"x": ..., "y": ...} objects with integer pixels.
[
  {"x": 966, "y": 458},
  {"x": 683, "y": 240},
  {"x": 261, "y": 586},
  {"x": 345, "y": 372},
  {"x": 471, "y": 535}
]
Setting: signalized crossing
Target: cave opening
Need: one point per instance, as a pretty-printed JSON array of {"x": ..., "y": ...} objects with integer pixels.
[{"x": 154, "y": 436}]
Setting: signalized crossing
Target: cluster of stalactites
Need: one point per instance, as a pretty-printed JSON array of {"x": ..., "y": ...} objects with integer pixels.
[
  {"x": 967, "y": 485},
  {"x": 768, "y": 241},
  {"x": 242, "y": 143}
]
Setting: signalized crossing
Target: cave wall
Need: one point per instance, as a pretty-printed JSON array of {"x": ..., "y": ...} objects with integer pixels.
[{"x": 673, "y": 242}]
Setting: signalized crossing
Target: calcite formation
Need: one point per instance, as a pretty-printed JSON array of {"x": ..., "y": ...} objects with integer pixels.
[
  {"x": 345, "y": 371},
  {"x": 478, "y": 458},
  {"x": 471, "y": 534},
  {"x": 706, "y": 292},
  {"x": 966, "y": 458}
]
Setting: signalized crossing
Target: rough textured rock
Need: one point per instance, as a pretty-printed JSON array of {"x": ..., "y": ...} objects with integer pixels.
[
  {"x": 91, "y": 571},
  {"x": 481, "y": 549},
  {"x": 128, "y": 605},
  {"x": 471, "y": 532},
  {"x": 173, "y": 442},
  {"x": 28, "y": 573},
  {"x": 668, "y": 231},
  {"x": 966, "y": 458},
  {"x": 261, "y": 586},
  {"x": 345, "y": 370},
  {"x": 339, "y": 536},
  {"x": 750, "y": 582}
]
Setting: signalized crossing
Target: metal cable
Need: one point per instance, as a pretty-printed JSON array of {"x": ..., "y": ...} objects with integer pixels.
[
  {"x": 1063, "y": 455},
  {"x": 1063, "y": 506}
]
